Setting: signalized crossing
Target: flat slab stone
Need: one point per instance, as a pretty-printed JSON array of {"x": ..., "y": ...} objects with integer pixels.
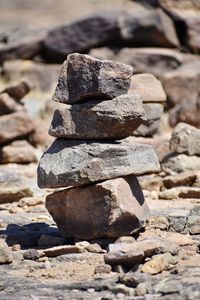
[
  {"x": 85, "y": 77},
  {"x": 73, "y": 163},
  {"x": 149, "y": 87},
  {"x": 111, "y": 208},
  {"x": 113, "y": 119}
]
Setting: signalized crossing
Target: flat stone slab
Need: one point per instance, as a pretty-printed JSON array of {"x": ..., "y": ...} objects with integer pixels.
[
  {"x": 113, "y": 119},
  {"x": 112, "y": 208},
  {"x": 84, "y": 77},
  {"x": 69, "y": 163}
]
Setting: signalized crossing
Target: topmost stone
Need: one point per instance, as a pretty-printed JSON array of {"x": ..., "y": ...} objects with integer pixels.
[{"x": 83, "y": 77}]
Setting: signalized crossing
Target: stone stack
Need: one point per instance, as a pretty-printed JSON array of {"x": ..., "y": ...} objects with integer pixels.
[
  {"x": 15, "y": 126},
  {"x": 89, "y": 156}
]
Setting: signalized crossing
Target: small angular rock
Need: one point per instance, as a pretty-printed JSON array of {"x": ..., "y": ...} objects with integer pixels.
[
  {"x": 109, "y": 209},
  {"x": 9, "y": 105},
  {"x": 5, "y": 253},
  {"x": 84, "y": 77},
  {"x": 19, "y": 90},
  {"x": 113, "y": 119},
  {"x": 185, "y": 139},
  {"x": 73, "y": 163},
  {"x": 15, "y": 125}
]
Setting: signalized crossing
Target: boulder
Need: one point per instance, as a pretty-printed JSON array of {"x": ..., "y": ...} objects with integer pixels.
[
  {"x": 81, "y": 35},
  {"x": 73, "y": 163},
  {"x": 111, "y": 208},
  {"x": 185, "y": 139},
  {"x": 15, "y": 125},
  {"x": 23, "y": 43},
  {"x": 178, "y": 163},
  {"x": 5, "y": 253},
  {"x": 148, "y": 87},
  {"x": 19, "y": 90},
  {"x": 151, "y": 28},
  {"x": 18, "y": 152},
  {"x": 9, "y": 105},
  {"x": 187, "y": 112},
  {"x": 182, "y": 84},
  {"x": 153, "y": 112},
  {"x": 113, "y": 119},
  {"x": 95, "y": 78}
]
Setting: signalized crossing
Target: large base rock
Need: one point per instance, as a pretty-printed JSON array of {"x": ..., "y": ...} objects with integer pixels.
[
  {"x": 73, "y": 163},
  {"x": 112, "y": 208},
  {"x": 85, "y": 77},
  {"x": 113, "y": 119}
]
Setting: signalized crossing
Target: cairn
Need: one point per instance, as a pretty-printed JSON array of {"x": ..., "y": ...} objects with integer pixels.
[{"x": 90, "y": 157}]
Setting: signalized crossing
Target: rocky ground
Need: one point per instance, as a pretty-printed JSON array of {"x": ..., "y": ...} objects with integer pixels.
[{"x": 162, "y": 260}]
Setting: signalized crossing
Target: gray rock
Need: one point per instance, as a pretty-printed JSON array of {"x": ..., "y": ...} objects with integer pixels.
[
  {"x": 117, "y": 208},
  {"x": 151, "y": 28},
  {"x": 81, "y": 35},
  {"x": 113, "y": 119},
  {"x": 84, "y": 77},
  {"x": 185, "y": 139},
  {"x": 73, "y": 163},
  {"x": 31, "y": 254},
  {"x": 178, "y": 163},
  {"x": 5, "y": 253},
  {"x": 153, "y": 112},
  {"x": 15, "y": 125}
]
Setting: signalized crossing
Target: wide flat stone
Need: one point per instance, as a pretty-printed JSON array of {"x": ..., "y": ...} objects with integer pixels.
[
  {"x": 73, "y": 163},
  {"x": 85, "y": 77},
  {"x": 112, "y": 208},
  {"x": 113, "y": 119},
  {"x": 15, "y": 125},
  {"x": 185, "y": 139},
  {"x": 148, "y": 87}
]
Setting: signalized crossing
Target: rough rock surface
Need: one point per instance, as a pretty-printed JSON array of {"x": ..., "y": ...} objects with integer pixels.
[
  {"x": 19, "y": 90},
  {"x": 8, "y": 105},
  {"x": 72, "y": 163},
  {"x": 112, "y": 208},
  {"x": 153, "y": 112},
  {"x": 185, "y": 139},
  {"x": 5, "y": 253},
  {"x": 95, "y": 78},
  {"x": 113, "y": 119},
  {"x": 148, "y": 87},
  {"x": 152, "y": 28},
  {"x": 178, "y": 163},
  {"x": 18, "y": 152},
  {"x": 15, "y": 125}
]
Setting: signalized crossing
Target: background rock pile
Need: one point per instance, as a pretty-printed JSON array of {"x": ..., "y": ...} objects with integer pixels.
[{"x": 88, "y": 151}]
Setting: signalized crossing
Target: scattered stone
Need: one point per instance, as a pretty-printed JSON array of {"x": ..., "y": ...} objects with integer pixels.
[
  {"x": 186, "y": 178},
  {"x": 103, "y": 79},
  {"x": 150, "y": 182},
  {"x": 185, "y": 139},
  {"x": 62, "y": 250},
  {"x": 9, "y": 105},
  {"x": 193, "y": 223},
  {"x": 125, "y": 239},
  {"x": 18, "y": 152},
  {"x": 148, "y": 87},
  {"x": 5, "y": 253},
  {"x": 141, "y": 289},
  {"x": 179, "y": 163},
  {"x": 180, "y": 239},
  {"x": 12, "y": 193},
  {"x": 140, "y": 29},
  {"x": 50, "y": 241},
  {"x": 14, "y": 126},
  {"x": 153, "y": 112},
  {"x": 16, "y": 247},
  {"x": 73, "y": 163},
  {"x": 159, "y": 263},
  {"x": 129, "y": 279},
  {"x": 19, "y": 90},
  {"x": 103, "y": 269},
  {"x": 158, "y": 222},
  {"x": 113, "y": 119},
  {"x": 30, "y": 201},
  {"x": 31, "y": 254},
  {"x": 180, "y": 192},
  {"x": 113, "y": 215},
  {"x": 187, "y": 112}
]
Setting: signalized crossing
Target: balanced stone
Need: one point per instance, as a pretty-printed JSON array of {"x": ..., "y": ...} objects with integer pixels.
[
  {"x": 113, "y": 119},
  {"x": 112, "y": 208},
  {"x": 73, "y": 163},
  {"x": 84, "y": 77},
  {"x": 185, "y": 139}
]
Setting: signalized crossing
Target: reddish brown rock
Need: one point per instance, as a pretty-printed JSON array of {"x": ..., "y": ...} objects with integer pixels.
[
  {"x": 19, "y": 90},
  {"x": 9, "y": 105},
  {"x": 186, "y": 178},
  {"x": 18, "y": 152},
  {"x": 95, "y": 78},
  {"x": 148, "y": 87},
  {"x": 15, "y": 125},
  {"x": 109, "y": 209}
]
